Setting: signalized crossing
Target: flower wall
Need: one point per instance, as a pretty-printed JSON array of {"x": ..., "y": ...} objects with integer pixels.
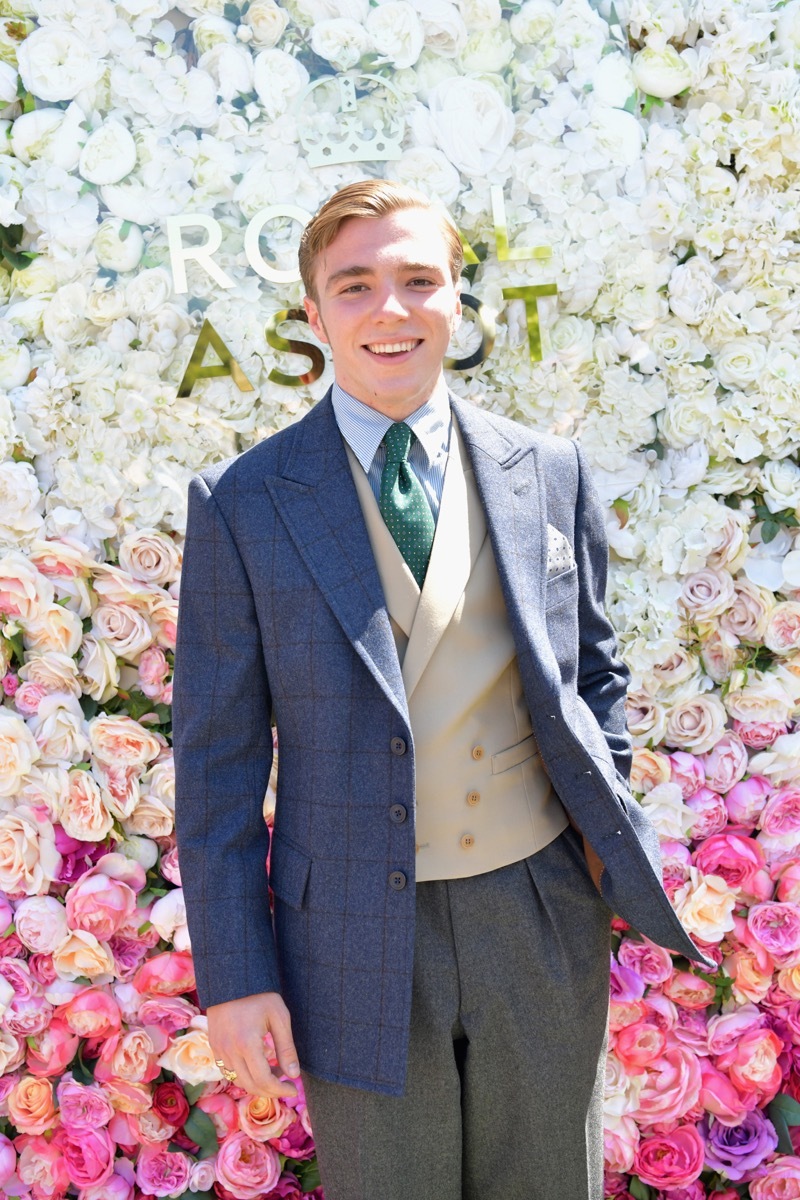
[{"x": 653, "y": 151}]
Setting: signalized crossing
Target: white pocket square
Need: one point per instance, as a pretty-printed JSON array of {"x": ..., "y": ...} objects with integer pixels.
[{"x": 559, "y": 552}]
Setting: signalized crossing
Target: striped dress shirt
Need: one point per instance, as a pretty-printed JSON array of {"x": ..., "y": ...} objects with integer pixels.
[{"x": 363, "y": 429}]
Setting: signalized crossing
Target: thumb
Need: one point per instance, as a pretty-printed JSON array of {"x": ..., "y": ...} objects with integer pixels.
[{"x": 284, "y": 1045}]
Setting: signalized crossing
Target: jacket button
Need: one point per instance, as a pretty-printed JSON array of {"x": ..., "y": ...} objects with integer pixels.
[
  {"x": 397, "y": 881},
  {"x": 398, "y": 745},
  {"x": 473, "y": 798},
  {"x": 398, "y": 813},
  {"x": 477, "y": 752},
  {"x": 467, "y": 841}
]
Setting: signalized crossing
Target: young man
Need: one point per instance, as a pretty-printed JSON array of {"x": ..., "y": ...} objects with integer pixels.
[{"x": 412, "y": 588}]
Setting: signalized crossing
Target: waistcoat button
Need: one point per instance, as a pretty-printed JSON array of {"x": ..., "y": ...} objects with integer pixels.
[
  {"x": 477, "y": 752},
  {"x": 473, "y": 797},
  {"x": 467, "y": 841}
]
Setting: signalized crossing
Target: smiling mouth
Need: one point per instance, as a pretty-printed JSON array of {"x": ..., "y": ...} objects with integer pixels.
[{"x": 388, "y": 349}]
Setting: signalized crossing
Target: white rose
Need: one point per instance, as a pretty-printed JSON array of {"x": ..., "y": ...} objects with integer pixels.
[
  {"x": 15, "y": 364},
  {"x": 59, "y": 729},
  {"x": 748, "y": 614},
  {"x": 340, "y": 41},
  {"x": 151, "y": 556},
  {"x": 231, "y": 68},
  {"x": 443, "y": 27},
  {"x": 40, "y": 923},
  {"x": 211, "y": 31},
  {"x": 470, "y": 123},
  {"x": 646, "y": 718},
  {"x": 20, "y": 501},
  {"x": 670, "y": 816},
  {"x": 18, "y": 751},
  {"x": 662, "y": 73},
  {"x": 692, "y": 290},
  {"x": 148, "y": 291},
  {"x": 151, "y": 817},
  {"x": 99, "y": 669},
  {"x": 56, "y": 63},
  {"x": 52, "y": 134},
  {"x": 109, "y": 154},
  {"x": 534, "y": 23},
  {"x": 707, "y": 593},
  {"x": 489, "y": 51},
  {"x": 741, "y": 363},
  {"x": 168, "y": 914},
  {"x": 311, "y": 11},
  {"x": 267, "y": 22},
  {"x": 141, "y": 850},
  {"x": 787, "y": 32},
  {"x": 428, "y": 170},
  {"x": 758, "y": 696},
  {"x": 617, "y": 139},
  {"x": 396, "y": 33},
  {"x": 705, "y": 906},
  {"x": 278, "y": 79},
  {"x": 781, "y": 763},
  {"x": 481, "y": 14},
  {"x": 780, "y": 482},
  {"x": 612, "y": 80},
  {"x": 571, "y": 340},
  {"x": 783, "y": 630},
  {"x": 696, "y": 724},
  {"x": 118, "y": 248},
  {"x": 122, "y": 629}
]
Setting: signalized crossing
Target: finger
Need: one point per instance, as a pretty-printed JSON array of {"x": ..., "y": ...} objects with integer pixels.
[
  {"x": 249, "y": 1060},
  {"x": 281, "y": 1030}
]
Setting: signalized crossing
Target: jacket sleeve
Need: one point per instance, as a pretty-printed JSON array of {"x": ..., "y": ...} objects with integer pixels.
[
  {"x": 223, "y": 755},
  {"x": 602, "y": 675}
]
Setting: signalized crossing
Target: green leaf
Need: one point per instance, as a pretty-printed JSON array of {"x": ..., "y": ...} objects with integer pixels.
[
  {"x": 632, "y": 103},
  {"x": 639, "y": 1190},
  {"x": 15, "y": 640},
  {"x": 309, "y": 1176},
  {"x": 231, "y": 13},
  {"x": 769, "y": 531},
  {"x": 125, "y": 229},
  {"x": 193, "y": 1091},
  {"x": 89, "y": 706},
  {"x": 200, "y": 1128},
  {"x": 651, "y": 102},
  {"x": 784, "y": 1112}
]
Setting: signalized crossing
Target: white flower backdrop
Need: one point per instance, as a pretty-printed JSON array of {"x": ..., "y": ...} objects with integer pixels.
[{"x": 654, "y": 150}]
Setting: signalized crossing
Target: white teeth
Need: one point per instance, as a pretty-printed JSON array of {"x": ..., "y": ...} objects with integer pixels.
[{"x": 391, "y": 347}]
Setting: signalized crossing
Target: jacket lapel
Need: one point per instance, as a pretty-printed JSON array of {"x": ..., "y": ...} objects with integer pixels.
[
  {"x": 460, "y": 533},
  {"x": 316, "y": 498},
  {"x": 512, "y": 493}
]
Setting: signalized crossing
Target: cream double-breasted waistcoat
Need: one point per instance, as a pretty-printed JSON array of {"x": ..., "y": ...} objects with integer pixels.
[{"x": 483, "y": 798}]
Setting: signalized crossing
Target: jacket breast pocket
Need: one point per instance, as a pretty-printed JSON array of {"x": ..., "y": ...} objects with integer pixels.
[
  {"x": 560, "y": 588},
  {"x": 289, "y": 870}
]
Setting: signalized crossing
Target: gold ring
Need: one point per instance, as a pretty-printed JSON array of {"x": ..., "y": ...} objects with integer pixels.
[{"x": 224, "y": 1071}]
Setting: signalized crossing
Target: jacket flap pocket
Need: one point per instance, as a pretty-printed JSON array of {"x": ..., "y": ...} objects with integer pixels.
[
  {"x": 514, "y": 755},
  {"x": 288, "y": 872}
]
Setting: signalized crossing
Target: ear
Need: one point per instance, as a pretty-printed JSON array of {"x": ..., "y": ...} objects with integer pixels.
[
  {"x": 314, "y": 319},
  {"x": 458, "y": 309}
]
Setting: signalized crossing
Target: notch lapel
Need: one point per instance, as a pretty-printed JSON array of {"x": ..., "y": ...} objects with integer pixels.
[
  {"x": 513, "y": 498},
  {"x": 316, "y": 499},
  {"x": 460, "y": 533}
]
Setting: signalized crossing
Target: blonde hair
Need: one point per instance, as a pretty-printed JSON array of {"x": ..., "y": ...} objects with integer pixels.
[{"x": 370, "y": 198}]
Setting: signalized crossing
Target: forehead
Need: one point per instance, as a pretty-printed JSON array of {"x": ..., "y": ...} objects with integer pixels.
[{"x": 410, "y": 235}]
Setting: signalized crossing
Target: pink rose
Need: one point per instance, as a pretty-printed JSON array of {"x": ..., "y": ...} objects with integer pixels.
[
  {"x": 753, "y": 1066},
  {"x": 712, "y": 815},
  {"x": 745, "y": 801},
  {"x": 726, "y": 763},
  {"x": 781, "y": 815},
  {"x": 776, "y": 927},
  {"x": 652, "y": 963},
  {"x": 687, "y": 771},
  {"x": 739, "y": 860},
  {"x": 721, "y": 1098},
  {"x": 670, "y": 1160},
  {"x": 247, "y": 1168},
  {"x": 690, "y": 991},
  {"x": 82, "y": 1106},
  {"x": 166, "y": 974},
  {"x": 51, "y": 1052},
  {"x": 169, "y": 866},
  {"x": 28, "y": 1012},
  {"x": 638, "y": 1045},
  {"x": 130, "y": 1056},
  {"x": 691, "y": 1030},
  {"x": 99, "y": 905},
  {"x": 222, "y": 1110},
  {"x": 162, "y": 1172},
  {"x": 118, "y": 1186},
  {"x": 153, "y": 670},
  {"x": 88, "y": 1154},
  {"x": 789, "y": 883},
  {"x": 8, "y": 1160},
  {"x": 781, "y": 1182},
  {"x": 42, "y": 1166},
  {"x": 758, "y": 735},
  {"x": 620, "y": 1139},
  {"x": 676, "y": 860},
  {"x": 725, "y": 1029},
  {"x": 92, "y": 1013},
  {"x": 671, "y": 1088},
  {"x": 169, "y": 1013}
]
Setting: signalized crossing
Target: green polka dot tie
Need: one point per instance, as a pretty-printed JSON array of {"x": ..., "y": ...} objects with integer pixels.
[{"x": 404, "y": 505}]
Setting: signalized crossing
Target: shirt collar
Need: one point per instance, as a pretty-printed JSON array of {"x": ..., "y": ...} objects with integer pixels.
[{"x": 363, "y": 428}]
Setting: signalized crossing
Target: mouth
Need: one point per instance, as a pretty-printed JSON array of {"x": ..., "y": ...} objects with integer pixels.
[{"x": 393, "y": 351}]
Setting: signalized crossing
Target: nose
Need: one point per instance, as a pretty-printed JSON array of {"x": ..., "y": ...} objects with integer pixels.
[{"x": 391, "y": 305}]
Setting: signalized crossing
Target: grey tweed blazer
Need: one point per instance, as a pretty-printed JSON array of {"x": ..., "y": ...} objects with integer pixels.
[{"x": 282, "y": 614}]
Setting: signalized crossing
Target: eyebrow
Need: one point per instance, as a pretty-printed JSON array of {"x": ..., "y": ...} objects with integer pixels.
[{"x": 357, "y": 272}]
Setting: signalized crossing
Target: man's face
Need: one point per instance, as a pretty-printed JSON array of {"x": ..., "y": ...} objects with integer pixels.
[{"x": 387, "y": 307}]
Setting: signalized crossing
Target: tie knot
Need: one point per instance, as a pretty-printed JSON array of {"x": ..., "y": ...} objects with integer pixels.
[{"x": 397, "y": 440}]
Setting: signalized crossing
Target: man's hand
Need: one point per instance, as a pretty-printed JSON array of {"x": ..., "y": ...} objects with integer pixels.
[
  {"x": 236, "y": 1032},
  {"x": 594, "y": 862}
]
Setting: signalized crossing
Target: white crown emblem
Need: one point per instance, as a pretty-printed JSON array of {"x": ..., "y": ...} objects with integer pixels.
[{"x": 341, "y": 119}]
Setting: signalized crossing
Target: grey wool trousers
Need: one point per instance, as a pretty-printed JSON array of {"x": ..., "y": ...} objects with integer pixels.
[{"x": 504, "y": 1089}]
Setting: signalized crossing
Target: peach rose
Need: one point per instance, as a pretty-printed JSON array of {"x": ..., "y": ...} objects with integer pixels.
[
  {"x": 61, "y": 558},
  {"x": 747, "y": 616},
  {"x": 678, "y": 666},
  {"x": 24, "y": 592},
  {"x": 783, "y": 629},
  {"x": 12, "y": 1052},
  {"x": 153, "y": 671},
  {"x": 160, "y": 779},
  {"x": 120, "y": 741},
  {"x": 190, "y": 1057},
  {"x": 18, "y": 751},
  {"x": 119, "y": 785},
  {"x": 758, "y": 696},
  {"x": 751, "y": 982},
  {"x": 648, "y": 769},
  {"x": 128, "y": 1056},
  {"x": 83, "y": 955},
  {"x": 31, "y": 1106},
  {"x": 163, "y": 614},
  {"x": 84, "y": 815},
  {"x": 54, "y": 629},
  {"x": 705, "y": 906},
  {"x": 264, "y": 1117},
  {"x": 151, "y": 817},
  {"x": 151, "y": 556},
  {"x": 696, "y": 724},
  {"x": 123, "y": 629},
  {"x": 29, "y": 861},
  {"x": 731, "y": 541},
  {"x": 53, "y": 672},
  {"x": 119, "y": 587},
  {"x": 645, "y": 717},
  {"x": 41, "y": 924},
  {"x": 706, "y": 593}
]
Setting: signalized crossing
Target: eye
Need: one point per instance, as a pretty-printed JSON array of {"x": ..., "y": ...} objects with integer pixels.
[
  {"x": 354, "y": 287},
  {"x": 422, "y": 281}
]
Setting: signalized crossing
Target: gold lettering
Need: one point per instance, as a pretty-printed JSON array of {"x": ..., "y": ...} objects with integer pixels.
[
  {"x": 530, "y": 294},
  {"x": 227, "y": 365},
  {"x": 485, "y": 320},
  {"x": 504, "y": 253},
  {"x": 293, "y": 346}
]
